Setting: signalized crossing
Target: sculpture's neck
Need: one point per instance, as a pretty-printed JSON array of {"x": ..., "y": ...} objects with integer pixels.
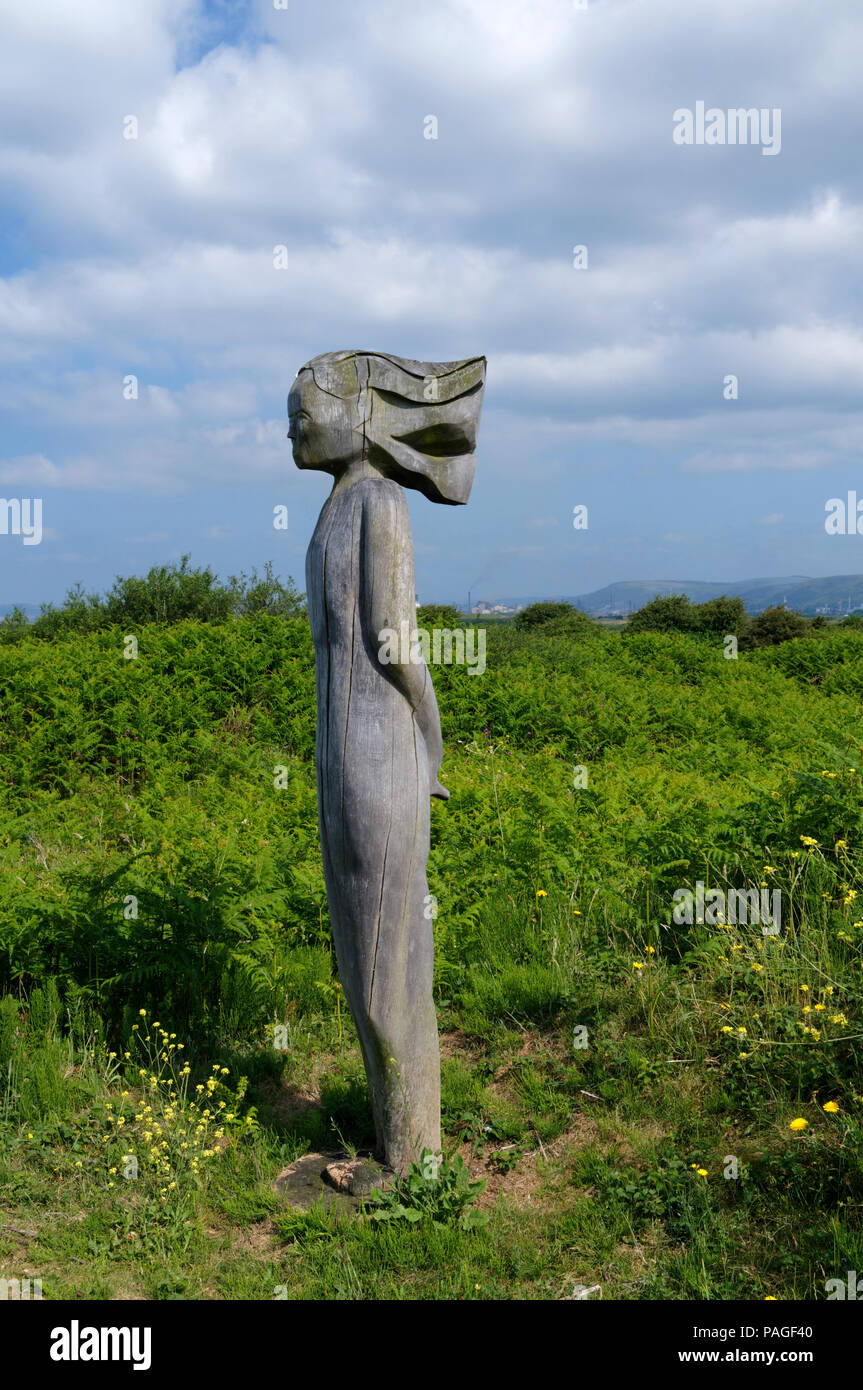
[{"x": 354, "y": 473}]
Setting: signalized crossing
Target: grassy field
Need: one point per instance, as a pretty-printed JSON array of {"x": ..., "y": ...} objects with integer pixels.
[{"x": 172, "y": 1032}]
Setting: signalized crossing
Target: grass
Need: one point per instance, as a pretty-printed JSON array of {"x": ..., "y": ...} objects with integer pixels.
[{"x": 623, "y": 1082}]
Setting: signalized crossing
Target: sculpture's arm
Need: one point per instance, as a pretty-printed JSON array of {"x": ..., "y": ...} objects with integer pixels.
[{"x": 386, "y": 601}]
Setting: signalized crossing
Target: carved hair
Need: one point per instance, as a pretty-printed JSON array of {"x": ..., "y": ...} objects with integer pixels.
[{"x": 419, "y": 420}]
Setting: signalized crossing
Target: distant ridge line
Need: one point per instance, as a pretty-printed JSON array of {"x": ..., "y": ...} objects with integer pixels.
[{"x": 833, "y": 595}]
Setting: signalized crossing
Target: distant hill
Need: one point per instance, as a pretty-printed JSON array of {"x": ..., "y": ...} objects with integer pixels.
[{"x": 837, "y": 594}]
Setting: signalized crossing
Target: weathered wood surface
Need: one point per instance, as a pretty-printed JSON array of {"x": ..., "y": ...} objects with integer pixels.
[{"x": 379, "y": 744}]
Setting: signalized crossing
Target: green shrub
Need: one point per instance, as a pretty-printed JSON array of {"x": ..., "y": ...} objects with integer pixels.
[
  {"x": 722, "y": 615},
  {"x": 538, "y": 614},
  {"x": 167, "y": 594},
  {"x": 665, "y": 613},
  {"x": 440, "y": 615}
]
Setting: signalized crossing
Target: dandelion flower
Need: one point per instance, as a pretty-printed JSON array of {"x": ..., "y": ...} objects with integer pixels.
[{"x": 798, "y": 1124}]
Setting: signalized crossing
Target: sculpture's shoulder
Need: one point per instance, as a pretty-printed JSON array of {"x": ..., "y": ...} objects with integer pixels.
[{"x": 382, "y": 495}]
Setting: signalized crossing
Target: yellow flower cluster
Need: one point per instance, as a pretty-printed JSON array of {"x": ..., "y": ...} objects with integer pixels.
[{"x": 175, "y": 1135}]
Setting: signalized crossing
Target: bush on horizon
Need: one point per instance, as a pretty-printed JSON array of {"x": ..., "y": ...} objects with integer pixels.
[{"x": 167, "y": 594}]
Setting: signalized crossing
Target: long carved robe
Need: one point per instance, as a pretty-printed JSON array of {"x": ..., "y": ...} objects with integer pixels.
[{"x": 373, "y": 805}]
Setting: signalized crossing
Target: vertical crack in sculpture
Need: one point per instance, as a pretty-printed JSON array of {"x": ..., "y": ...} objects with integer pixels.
[{"x": 378, "y": 424}]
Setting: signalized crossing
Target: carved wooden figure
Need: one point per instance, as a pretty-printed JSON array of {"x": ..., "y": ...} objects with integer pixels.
[{"x": 379, "y": 424}]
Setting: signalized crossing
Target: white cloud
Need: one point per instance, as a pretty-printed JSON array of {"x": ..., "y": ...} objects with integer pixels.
[{"x": 29, "y": 470}]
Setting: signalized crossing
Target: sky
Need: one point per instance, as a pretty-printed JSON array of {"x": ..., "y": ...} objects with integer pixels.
[{"x": 149, "y": 332}]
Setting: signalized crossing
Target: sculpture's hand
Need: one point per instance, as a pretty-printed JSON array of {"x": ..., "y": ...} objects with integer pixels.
[{"x": 428, "y": 721}]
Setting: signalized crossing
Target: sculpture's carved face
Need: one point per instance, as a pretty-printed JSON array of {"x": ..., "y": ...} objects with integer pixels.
[
  {"x": 413, "y": 422},
  {"x": 321, "y": 428}
]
